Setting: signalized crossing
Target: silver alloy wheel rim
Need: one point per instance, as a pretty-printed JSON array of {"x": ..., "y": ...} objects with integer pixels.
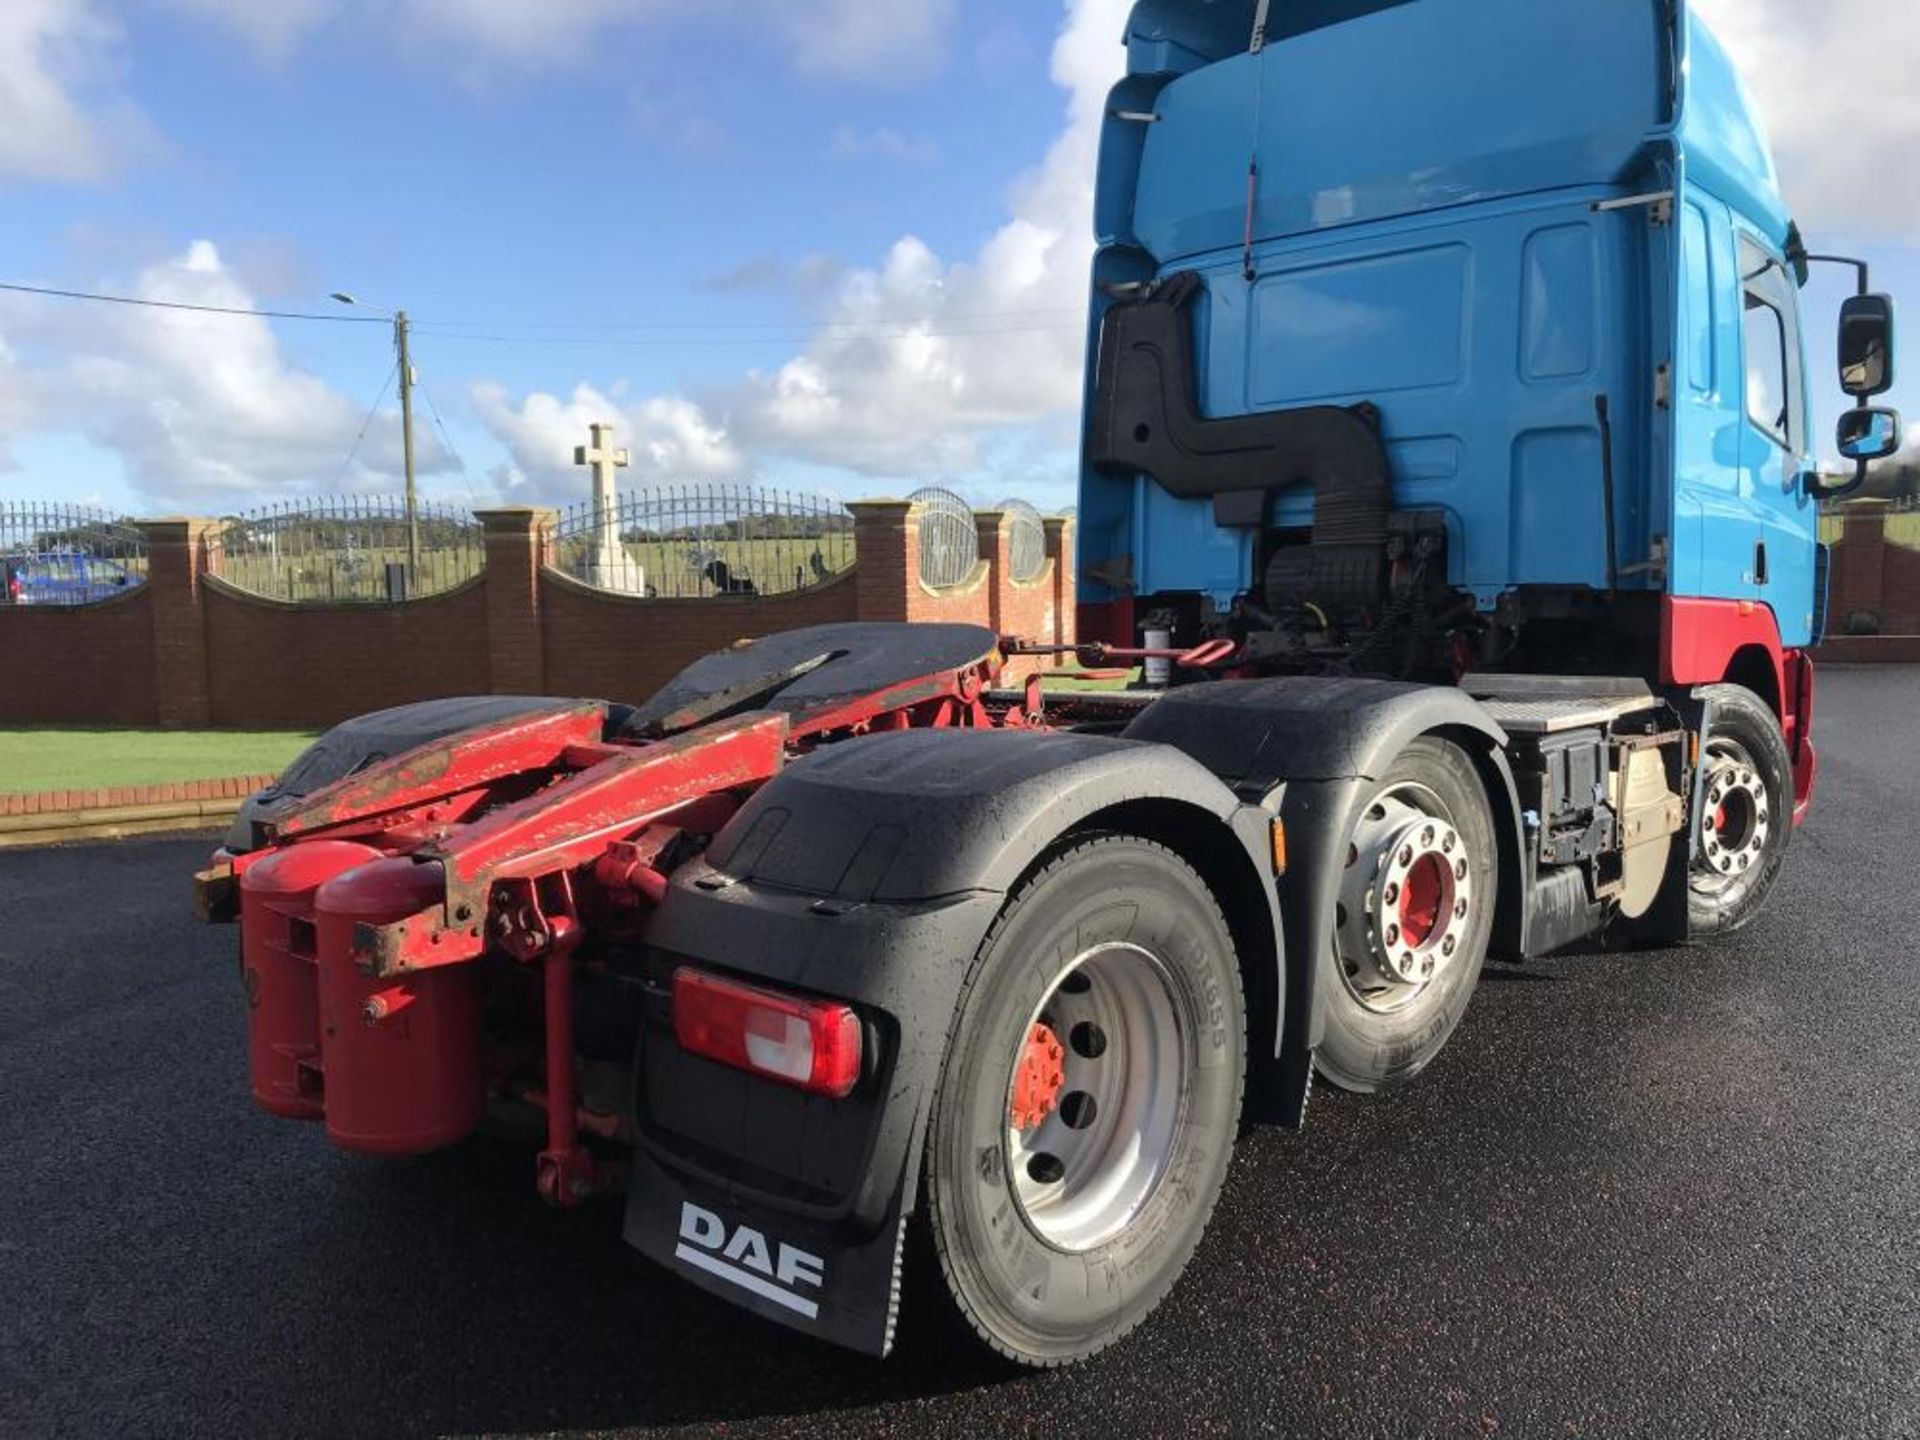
[
  {"x": 1405, "y": 838},
  {"x": 1083, "y": 1173},
  {"x": 1735, "y": 822}
]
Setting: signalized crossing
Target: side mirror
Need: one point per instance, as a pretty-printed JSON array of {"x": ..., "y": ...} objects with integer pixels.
[
  {"x": 1871, "y": 434},
  {"x": 1866, "y": 345}
]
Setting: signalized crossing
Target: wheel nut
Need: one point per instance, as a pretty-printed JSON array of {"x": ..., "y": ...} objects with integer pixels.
[
  {"x": 1446, "y": 845},
  {"x": 1393, "y": 934},
  {"x": 1459, "y": 909},
  {"x": 1447, "y": 947},
  {"x": 1391, "y": 893},
  {"x": 1406, "y": 854}
]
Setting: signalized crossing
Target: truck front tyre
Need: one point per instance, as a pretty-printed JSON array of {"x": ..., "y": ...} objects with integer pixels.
[
  {"x": 1746, "y": 815},
  {"x": 1087, "y": 1112},
  {"x": 1413, "y": 921}
]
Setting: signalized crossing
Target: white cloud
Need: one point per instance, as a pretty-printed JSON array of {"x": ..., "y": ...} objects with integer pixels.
[
  {"x": 668, "y": 436},
  {"x": 920, "y": 358},
  {"x": 19, "y": 402},
  {"x": 204, "y": 410},
  {"x": 62, "y": 115},
  {"x": 518, "y": 34},
  {"x": 873, "y": 41},
  {"x": 882, "y": 143},
  {"x": 918, "y": 361},
  {"x": 889, "y": 40},
  {"x": 272, "y": 27},
  {"x": 1835, "y": 83}
]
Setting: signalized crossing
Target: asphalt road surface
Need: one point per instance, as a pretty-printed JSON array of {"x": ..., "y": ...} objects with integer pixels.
[{"x": 1661, "y": 1194}]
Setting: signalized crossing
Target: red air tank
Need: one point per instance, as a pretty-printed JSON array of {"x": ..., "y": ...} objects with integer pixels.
[
  {"x": 402, "y": 1055},
  {"x": 278, "y": 950}
]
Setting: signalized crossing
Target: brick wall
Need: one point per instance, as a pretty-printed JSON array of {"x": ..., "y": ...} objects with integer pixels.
[
  {"x": 274, "y": 666},
  {"x": 617, "y": 647},
  {"x": 1873, "y": 577},
  {"x": 187, "y": 650},
  {"x": 87, "y": 665}
]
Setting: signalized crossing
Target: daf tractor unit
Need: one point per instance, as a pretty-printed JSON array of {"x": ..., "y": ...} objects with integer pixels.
[{"x": 1448, "y": 463}]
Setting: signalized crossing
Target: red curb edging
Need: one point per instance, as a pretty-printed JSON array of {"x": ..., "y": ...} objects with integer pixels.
[{"x": 50, "y": 817}]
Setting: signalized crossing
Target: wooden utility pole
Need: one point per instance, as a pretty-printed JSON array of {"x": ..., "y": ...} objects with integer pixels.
[{"x": 406, "y": 428}]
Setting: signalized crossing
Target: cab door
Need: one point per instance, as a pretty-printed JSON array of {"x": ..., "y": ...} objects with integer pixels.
[{"x": 1774, "y": 451}]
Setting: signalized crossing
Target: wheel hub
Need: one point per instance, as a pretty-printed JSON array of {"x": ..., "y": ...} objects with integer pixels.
[
  {"x": 1406, "y": 901},
  {"x": 1037, "y": 1078},
  {"x": 1097, "y": 1096},
  {"x": 1735, "y": 821}
]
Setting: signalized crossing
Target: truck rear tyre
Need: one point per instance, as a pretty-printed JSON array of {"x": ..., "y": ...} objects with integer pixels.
[
  {"x": 1413, "y": 920},
  {"x": 1746, "y": 818},
  {"x": 1087, "y": 1111}
]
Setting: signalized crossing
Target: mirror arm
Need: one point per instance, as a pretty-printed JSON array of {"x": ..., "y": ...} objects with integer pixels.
[
  {"x": 1859, "y": 268},
  {"x": 1841, "y": 491}
]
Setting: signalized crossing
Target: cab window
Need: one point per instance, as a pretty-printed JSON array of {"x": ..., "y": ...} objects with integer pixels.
[{"x": 1771, "y": 343}]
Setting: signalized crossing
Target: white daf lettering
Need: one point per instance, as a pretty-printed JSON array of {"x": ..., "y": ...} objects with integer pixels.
[
  {"x": 703, "y": 1227},
  {"x": 749, "y": 1247},
  {"x": 756, "y": 1265},
  {"x": 797, "y": 1267}
]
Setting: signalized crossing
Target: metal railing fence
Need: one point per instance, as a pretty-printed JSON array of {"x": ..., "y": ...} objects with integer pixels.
[
  {"x": 691, "y": 541},
  {"x": 1027, "y": 541},
  {"x": 346, "y": 549},
  {"x": 949, "y": 543},
  {"x": 58, "y": 554}
]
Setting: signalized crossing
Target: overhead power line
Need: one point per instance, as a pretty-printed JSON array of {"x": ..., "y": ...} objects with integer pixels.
[
  {"x": 795, "y": 337},
  {"x": 50, "y": 292},
  {"x": 957, "y": 317},
  {"x": 372, "y": 410},
  {"x": 599, "y": 333}
]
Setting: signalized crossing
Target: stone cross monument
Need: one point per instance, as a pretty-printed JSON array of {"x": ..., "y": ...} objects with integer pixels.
[{"x": 609, "y": 566}]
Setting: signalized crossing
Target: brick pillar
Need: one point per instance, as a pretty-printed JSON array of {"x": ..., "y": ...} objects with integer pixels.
[
  {"x": 176, "y": 563},
  {"x": 1066, "y": 593},
  {"x": 516, "y": 652},
  {"x": 995, "y": 537},
  {"x": 1860, "y": 561},
  {"x": 886, "y": 544}
]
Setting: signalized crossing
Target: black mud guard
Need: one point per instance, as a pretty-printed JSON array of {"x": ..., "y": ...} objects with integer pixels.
[
  {"x": 869, "y": 871},
  {"x": 1303, "y": 747}
]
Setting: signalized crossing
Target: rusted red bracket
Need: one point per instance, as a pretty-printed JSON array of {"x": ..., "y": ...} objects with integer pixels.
[
  {"x": 570, "y": 823},
  {"x": 447, "y": 767},
  {"x": 1208, "y": 655}
]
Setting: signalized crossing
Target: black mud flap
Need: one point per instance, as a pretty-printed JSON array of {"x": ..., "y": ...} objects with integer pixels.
[{"x": 803, "y": 1273}]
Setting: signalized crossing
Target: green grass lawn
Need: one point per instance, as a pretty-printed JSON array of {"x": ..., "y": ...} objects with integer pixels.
[
  {"x": 1069, "y": 678},
  {"x": 78, "y": 758}
]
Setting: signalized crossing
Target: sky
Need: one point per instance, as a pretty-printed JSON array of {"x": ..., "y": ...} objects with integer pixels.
[{"x": 838, "y": 246}]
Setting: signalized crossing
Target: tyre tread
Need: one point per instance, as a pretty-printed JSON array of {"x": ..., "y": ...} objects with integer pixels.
[{"x": 1068, "y": 853}]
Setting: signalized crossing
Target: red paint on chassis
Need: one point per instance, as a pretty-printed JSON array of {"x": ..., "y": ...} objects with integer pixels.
[{"x": 365, "y": 918}]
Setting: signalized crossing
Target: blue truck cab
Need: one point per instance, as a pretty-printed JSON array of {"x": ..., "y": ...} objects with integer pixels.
[{"x": 1530, "y": 260}]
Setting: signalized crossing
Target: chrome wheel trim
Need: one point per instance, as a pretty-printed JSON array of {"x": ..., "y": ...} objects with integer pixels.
[
  {"x": 1405, "y": 838},
  {"x": 1735, "y": 822}
]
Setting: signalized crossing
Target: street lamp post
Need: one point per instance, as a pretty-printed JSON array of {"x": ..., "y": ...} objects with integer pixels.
[{"x": 405, "y": 367}]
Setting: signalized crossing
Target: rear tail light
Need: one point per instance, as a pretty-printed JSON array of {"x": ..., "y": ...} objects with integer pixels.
[{"x": 811, "y": 1044}]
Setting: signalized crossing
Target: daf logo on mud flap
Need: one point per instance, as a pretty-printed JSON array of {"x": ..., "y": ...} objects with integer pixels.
[{"x": 770, "y": 1269}]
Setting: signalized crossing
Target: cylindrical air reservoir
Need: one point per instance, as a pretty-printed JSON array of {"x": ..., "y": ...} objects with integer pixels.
[
  {"x": 278, "y": 954},
  {"x": 402, "y": 1055}
]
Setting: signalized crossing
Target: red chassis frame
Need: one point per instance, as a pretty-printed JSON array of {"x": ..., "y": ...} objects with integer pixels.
[
  {"x": 515, "y": 837},
  {"x": 377, "y": 895}
]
